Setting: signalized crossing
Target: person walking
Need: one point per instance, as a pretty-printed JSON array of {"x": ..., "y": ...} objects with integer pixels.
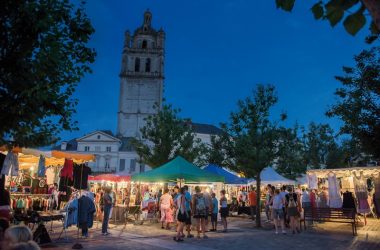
[
  {"x": 188, "y": 210},
  {"x": 252, "y": 202},
  {"x": 292, "y": 202},
  {"x": 223, "y": 209},
  {"x": 181, "y": 215},
  {"x": 107, "y": 205},
  {"x": 268, "y": 199},
  {"x": 166, "y": 204},
  {"x": 214, "y": 213},
  {"x": 208, "y": 200},
  {"x": 199, "y": 208},
  {"x": 278, "y": 212}
]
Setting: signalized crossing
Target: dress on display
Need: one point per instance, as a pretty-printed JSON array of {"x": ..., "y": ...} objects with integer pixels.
[
  {"x": 348, "y": 184},
  {"x": 313, "y": 181},
  {"x": 335, "y": 200},
  {"x": 361, "y": 193}
]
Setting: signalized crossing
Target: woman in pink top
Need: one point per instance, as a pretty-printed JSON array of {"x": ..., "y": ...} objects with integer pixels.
[{"x": 166, "y": 204}]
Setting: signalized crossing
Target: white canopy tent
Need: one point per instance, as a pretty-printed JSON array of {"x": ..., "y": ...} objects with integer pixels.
[{"x": 270, "y": 176}]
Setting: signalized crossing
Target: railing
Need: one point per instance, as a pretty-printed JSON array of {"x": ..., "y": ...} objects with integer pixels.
[
  {"x": 147, "y": 50},
  {"x": 142, "y": 74}
]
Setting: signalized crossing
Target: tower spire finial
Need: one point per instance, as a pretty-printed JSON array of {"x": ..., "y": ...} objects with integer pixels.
[{"x": 147, "y": 18}]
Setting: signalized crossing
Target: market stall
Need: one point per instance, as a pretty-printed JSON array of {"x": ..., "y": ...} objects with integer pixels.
[
  {"x": 32, "y": 175},
  {"x": 177, "y": 171},
  {"x": 120, "y": 186},
  {"x": 357, "y": 187},
  {"x": 270, "y": 176}
]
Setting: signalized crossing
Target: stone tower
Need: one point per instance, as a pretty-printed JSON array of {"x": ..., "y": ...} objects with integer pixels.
[{"x": 141, "y": 77}]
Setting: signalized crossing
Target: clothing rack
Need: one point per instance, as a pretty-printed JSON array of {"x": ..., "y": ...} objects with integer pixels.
[{"x": 35, "y": 195}]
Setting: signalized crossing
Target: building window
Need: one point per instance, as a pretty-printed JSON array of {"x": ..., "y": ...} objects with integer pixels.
[
  {"x": 98, "y": 137},
  {"x": 108, "y": 149},
  {"x": 97, "y": 148},
  {"x": 142, "y": 168},
  {"x": 137, "y": 64},
  {"x": 86, "y": 148},
  {"x": 144, "y": 44},
  {"x": 122, "y": 165},
  {"x": 107, "y": 165},
  {"x": 132, "y": 167},
  {"x": 147, "y": 65}
]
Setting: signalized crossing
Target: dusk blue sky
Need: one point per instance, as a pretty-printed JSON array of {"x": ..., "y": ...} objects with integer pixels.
[{"x": 216, "y": 52}]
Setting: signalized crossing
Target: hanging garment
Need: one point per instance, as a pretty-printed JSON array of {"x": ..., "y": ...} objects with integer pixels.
[
  {"x": 361, "y": 194},
  {"x": 348, "y": 184},
  {"x": 86, "y": 210},
  {"x": 50, "y": 176},
  {"x": 71, "y": 210},
  {"x": 10, "y": 164},
  {"x": 313, "y": 181},
  {"x": 41, "y": 166},
  {"x": 81, "y": 173},
  {"x": 65, "y": 184},
  {"x": 335, "y": 200},
  {"x": 67, "y": 170}
]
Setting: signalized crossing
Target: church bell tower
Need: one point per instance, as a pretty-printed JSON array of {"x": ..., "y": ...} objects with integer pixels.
[{"x": 141, "y": 77}]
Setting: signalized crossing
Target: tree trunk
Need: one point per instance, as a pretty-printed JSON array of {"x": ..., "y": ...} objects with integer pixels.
[
  {"x": 373, "y": 7},
  {"x": 258, "y": 205}
]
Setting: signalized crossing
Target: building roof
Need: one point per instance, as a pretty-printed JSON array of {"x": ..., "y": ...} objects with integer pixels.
[
  {"x": 71, "y": 145},
  {"x": 201, "y": 128}
]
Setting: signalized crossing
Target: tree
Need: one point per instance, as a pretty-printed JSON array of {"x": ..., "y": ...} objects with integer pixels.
[
  {"x": 352, "y": 12},
  {"x": 318, "y": 140},
  {"x": 358, "y": 105},
  {"x": 254, "y": 143},
  {"x": 217, "y": 152},
  {"x": 290, "y": 155},
  {"x": 43, "y": 55},
  {"x": 166, "y": 136}
]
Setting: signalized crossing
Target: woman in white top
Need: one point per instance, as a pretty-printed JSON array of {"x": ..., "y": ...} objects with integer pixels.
[{"x": 278, "y": 213}]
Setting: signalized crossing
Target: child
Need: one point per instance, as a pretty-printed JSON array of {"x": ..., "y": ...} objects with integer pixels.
[{"x": 214, "y": 212}]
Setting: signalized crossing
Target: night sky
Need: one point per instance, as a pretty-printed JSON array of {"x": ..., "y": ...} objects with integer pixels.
[{"x": 216, "y": 52}]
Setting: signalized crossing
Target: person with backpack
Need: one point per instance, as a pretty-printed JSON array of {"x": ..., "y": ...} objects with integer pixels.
[
  {"x": 223, "y": 209},
  {"x": 199, "y": 208},
  {"x": 292, "y": 210}
]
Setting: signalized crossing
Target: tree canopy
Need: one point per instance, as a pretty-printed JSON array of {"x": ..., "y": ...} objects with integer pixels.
[
  {"x": 43, "y": 56},
  {"x": 254, "y": 134},
  {"x": 165, "y": 136},
  {"x": 358, "y": 104},
  {"x": 353, "y": 13}
]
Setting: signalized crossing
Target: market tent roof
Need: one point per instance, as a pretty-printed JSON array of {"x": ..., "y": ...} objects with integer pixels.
[
  {"x": 342, "y": 172},
  {"x": 270, "y": 176},
  {"x": 29, "y": 157},
  {"x": 228, "y": 177},
  {"x": 110, "y": 177},
  {"x": 177, "y": 169}
]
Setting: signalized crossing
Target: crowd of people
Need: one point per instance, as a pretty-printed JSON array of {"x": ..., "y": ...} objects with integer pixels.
[
  {"x": 284, "y": 205},
  {"x": 181, "y": 208}
]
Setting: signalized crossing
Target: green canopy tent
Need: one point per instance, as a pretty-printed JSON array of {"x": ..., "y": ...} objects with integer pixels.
[{"x": 177, "y": 169}]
